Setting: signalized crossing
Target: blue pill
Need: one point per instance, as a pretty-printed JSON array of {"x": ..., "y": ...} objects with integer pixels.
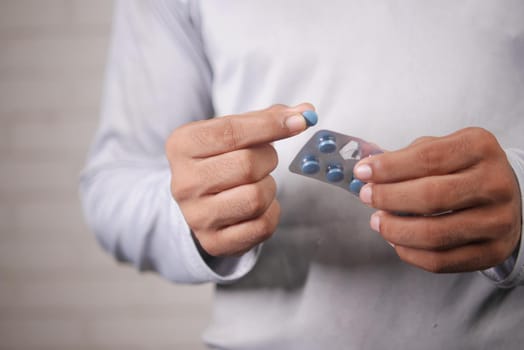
[
  {"x": 311, "y": 117},
  {"x": 327, "y": 144},
  {"x": 310, "y": 165},
  {"x": 335, "y": 173},
  {"x": 355, "y": 186}
]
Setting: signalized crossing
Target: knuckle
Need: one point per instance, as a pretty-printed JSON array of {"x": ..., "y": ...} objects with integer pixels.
[
  {"x": 436, "y": 241},
  {"x": 265, "y": 228},
  {"x": 195, "y": 218},
  {"x": 480, "y": 134},
  {"x": 231, "y": 133},
  {"x": 192, "y": 221},
  {"x": 486, "y": 143},
  {"x": 212, "y": 249},
  {"x": 433, "y": 196},
  {"x": 199, "y": 136},
  {"x": 428, "y": 158},
  {"x": 247, "y": 166},
  {"x": 509, "y": 188},
  {"x": 308, "y": 105},
  {"x": 193, "y": 135},
  {"x": 182, "y": 188},
  {"x": 210, "y": 172},
  {"x": 273, "y": 156},
  {"x": 271, "y": 186},
  {"x": 422, "y": 139},
  {"x": 252, "y": 167},
  {"x": 443, "y": 241},
  {"x": 173, "y": 143},
  {"x": 256, "y": 201},
  {"x": 204, "y": 222},
  {"x": 427, "y": 196},
  {"x": 432, "y": 238},
  {"x": 209, "y": 242},
  {"x": 475, "y": 187},
  {"x": 266, "y": 225},
  {"x": 277, "y": 109},
  {"x": 507, "y": 223},
  {"x": 463, "y": 144},
  {"x": 179, "y": 191},
  {"x": 500, "y": 224},
  {"x": 499, "y": 187}
]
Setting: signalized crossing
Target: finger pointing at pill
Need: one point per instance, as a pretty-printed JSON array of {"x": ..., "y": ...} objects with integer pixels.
[
  {"x": 220, "y": 175},
  {"x": 220, "y": 135}
]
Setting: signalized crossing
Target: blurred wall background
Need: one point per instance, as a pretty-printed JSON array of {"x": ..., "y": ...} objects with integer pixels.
[{"x": 58, "y": 290}]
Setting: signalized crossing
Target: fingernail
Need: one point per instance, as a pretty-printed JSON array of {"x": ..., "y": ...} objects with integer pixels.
[
  {"x": 296, "y": 123},
  {"x": 311, "y": 117},
  {"x": 363, "y": 172},
  {"x": 366, "y": 193},
  {"x": 375, "y": 222},
  {"x": 391, "y": 244}
]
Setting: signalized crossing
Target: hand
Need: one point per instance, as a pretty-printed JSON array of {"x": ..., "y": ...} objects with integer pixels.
[
  {"x": 466, "y": 178},
  {"x": 220, "y": 176}
]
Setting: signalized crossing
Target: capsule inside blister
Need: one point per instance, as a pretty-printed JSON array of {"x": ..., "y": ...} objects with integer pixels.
[
  {"x": 329, "y": 157},
  {"x": 327, "y": 143},
  {"x": 334, "y": 172},
  {"x": 310, "y": 165}
]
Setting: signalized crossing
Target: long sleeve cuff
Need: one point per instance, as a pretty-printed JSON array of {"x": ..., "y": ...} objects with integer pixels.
[
  {"x": 179, "y": 248},
  {"x": 511, "y": 272}
]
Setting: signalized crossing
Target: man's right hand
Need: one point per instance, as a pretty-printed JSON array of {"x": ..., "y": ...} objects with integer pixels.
[{"x": 220, "y": 176}]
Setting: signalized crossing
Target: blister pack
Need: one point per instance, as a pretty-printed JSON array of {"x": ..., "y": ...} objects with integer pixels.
[{"x": 330, "y": 157}]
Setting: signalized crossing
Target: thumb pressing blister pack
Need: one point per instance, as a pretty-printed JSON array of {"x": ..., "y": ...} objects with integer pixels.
[{"x": 330, "y": 157}]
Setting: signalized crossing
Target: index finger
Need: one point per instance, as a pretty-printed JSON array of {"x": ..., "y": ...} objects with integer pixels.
[
  {"x": 434, "y": 156},
  {"x": 226, "y": 134}
]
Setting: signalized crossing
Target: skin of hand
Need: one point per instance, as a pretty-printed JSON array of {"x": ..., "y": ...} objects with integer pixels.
[
  {"x": 464, "y": 196},
  {"x": 221, "y": 176}
]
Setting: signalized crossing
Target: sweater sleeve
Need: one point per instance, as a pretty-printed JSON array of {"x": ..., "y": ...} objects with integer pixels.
[
  {"x": 511, "y": 272},
  {"x": 157, "y": 79}
]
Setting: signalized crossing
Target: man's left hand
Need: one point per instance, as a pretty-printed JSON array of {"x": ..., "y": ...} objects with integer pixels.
[{"x": 463, "y": 195}]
